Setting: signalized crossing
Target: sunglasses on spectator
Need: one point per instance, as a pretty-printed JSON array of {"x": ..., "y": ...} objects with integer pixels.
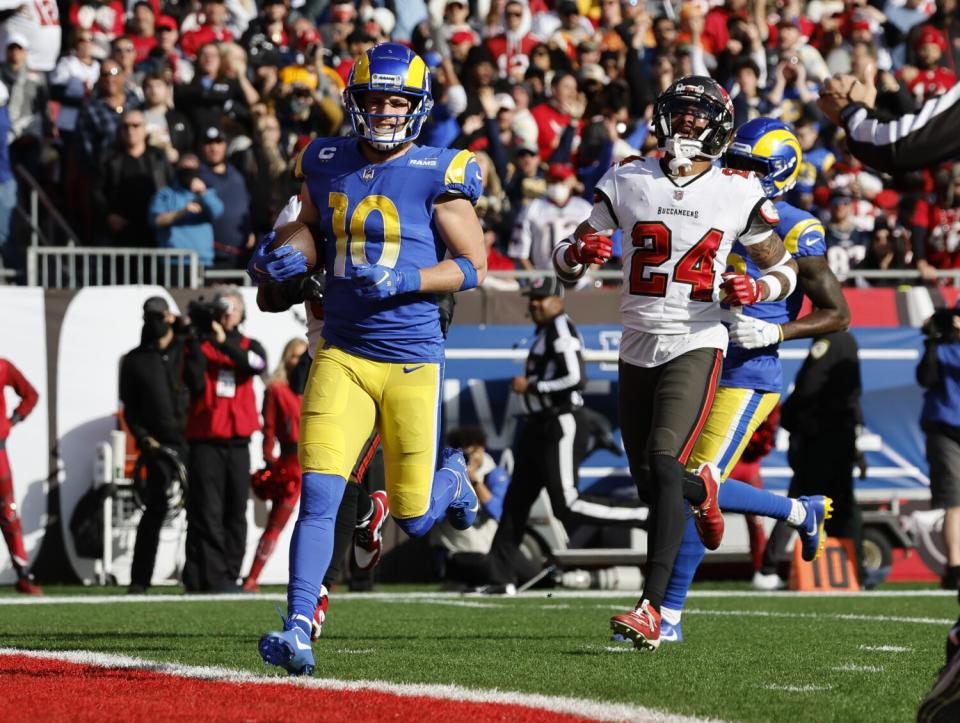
[
  {"x": 514, "y": 15},
  {"x": 125, "y": 49},
  {"x": 131, "y": 125}
]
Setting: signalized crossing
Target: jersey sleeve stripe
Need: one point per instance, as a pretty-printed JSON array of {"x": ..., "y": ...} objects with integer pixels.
[
  {"x": 608, "y": 203},
  {"x": 457, "y": 170},
  {"x": 792, "y": 239}
]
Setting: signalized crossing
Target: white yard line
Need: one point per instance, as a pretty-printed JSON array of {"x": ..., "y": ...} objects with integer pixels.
[
  {"x": 596, "y": 710},
  {"x": 820, "y": 616},
  {"x": 528, "y": 595},
  {"x": 797, "y": 688},
  {"x": 886, "y": 649},
  {"x": 854, "y": 668}
]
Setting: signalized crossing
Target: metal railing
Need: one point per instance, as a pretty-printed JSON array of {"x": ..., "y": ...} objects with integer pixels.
[
  {"x": 54, "y": 229},
  {"x": 72, "y": 267}
]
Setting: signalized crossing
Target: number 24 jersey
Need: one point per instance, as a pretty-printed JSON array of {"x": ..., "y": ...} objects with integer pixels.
[
  {"x": 382, "y": 213},
  {"x": 677, "y": 238}
]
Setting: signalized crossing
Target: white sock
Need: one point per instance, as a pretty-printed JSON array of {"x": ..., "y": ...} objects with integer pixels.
[
  {"x": 670, "y": 615},
  {"x": 798, "y": 513}
]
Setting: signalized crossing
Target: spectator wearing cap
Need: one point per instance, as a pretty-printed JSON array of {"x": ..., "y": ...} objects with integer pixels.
[
  {"x": 335, "y": 24},
  {"x": 103, "y": 18},
  {"x": 511, "y": 48},
  {"x": 167, "y": 128},
  {"x": 928, "y": 78},
  {"x": 946, "y": 20},
  {"x": 167, "y": 57},
  {"x": 213, "y": 28},
  {"x": 791, "y": 44},
  {"x": 564, "y": 108},
  {"x": 73, "y": 79},
  {"x": 549, "y": 220},
  {"x": 142, "y": 29},
  {"x": 155, "y": 401},
  {"x": 524, "y": 180},
  {"x": 210, "y": 98},
  {"x": 233, "y": 229},
  {"x": 380, "y": 23},
  {"x": 308, "y": 95},
  {"x": 846, "y": 243},
  {"x": 183, "y": 213},
  {"x": 127, "y": 177},
  {"x": 100, "y": 118},
  {"x": 455, "y": 22},
  {"x": 461, "y": 43},
  {"x": 266, "y": 38},
  {"x": 27, "y": 106}
]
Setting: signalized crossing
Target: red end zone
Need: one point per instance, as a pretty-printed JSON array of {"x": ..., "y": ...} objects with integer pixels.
[{"x": 43, "y": 689}]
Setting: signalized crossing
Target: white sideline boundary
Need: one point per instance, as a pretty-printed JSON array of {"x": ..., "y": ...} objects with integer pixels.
[
  {"x": 596, "y": 710},
  {"x": 426, "y": 596}
]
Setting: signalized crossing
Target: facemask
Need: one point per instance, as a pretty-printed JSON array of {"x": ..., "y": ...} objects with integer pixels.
[
  {"x": 558, "y": 193},
  {"x": 185, "y": 176}
]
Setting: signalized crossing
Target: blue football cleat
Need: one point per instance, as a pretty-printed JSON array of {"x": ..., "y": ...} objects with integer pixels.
[
  {"x": 462, "y": 512},
  {"x": 670, "y": 633},
  {"x": 289, "y": 650},
  {"x": 819, "y": 509}
]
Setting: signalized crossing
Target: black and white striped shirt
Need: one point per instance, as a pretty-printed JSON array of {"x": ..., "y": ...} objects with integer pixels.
[{"x": 555, "y": 369}]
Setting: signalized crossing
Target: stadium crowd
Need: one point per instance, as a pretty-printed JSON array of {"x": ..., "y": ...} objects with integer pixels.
[{"x": 157, "y": 111}]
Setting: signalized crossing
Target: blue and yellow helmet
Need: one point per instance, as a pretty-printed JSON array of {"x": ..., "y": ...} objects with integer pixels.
[
  {"x": 769, "y": 148},
  {"x": 390, "y": 68}
]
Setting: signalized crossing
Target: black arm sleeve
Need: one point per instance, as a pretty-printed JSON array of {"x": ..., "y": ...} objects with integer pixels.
[
  {"x": 194, "y": 365},
  {"x": 245, "y": 362},
  {"x": 561, "y": 154},
  {"x": 910, "y": 142},
  {"x": 132, "y": 401},
  {"x": 928, "y": 370}
]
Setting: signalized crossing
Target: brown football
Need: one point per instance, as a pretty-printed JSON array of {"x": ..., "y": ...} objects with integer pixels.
[{"x": 298, "y": 235}]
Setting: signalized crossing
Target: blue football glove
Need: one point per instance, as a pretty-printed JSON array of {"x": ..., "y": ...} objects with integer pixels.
[
  {"x": 277, "y": 265},
  {"x": 379, "y": 282}
]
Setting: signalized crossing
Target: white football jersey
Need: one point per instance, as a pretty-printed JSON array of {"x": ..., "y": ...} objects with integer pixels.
[
  {"x": 542, "y": 225},
  {"x": 676, "y": 239}
]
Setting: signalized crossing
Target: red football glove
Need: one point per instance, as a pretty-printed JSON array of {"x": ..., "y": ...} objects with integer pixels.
[
  {"x": 740, "y": 289},
  {"x": 592, "y": 248}
]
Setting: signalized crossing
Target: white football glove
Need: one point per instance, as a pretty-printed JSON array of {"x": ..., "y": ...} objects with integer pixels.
[{"x": 750, "y": 333}]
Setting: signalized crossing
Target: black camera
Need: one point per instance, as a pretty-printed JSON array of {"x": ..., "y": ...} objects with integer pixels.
[
  {"x": 203, "y": 312},
  {"x": 941, "y": 328}
]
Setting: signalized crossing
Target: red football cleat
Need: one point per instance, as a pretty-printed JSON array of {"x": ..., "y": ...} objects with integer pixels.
[
  {"x": 319, "y": 614},
  {"x": 641, "y": 625},
  {"x": 707, "y": 516},
  {"x": 367, "y": 540},
  {"x": 26, "y": 587}
]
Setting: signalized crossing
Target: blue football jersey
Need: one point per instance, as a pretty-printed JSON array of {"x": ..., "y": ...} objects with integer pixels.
[
  {"x": 382, "y": 213},
  {"x": 759, "y": 369}
]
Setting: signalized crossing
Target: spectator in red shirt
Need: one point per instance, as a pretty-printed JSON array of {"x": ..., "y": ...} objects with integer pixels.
[
  {"x": 142, "y": 29},
  {"x": 213, "y": 30},
  {"x": 280, "y": 485},
  {"x": 563, "y": 109},
  {"x": 511, "y": 48},
  {"x": 10, "y": 376},
  {"x": 103, "y": 18},
  {"x": 715, "y": 34},
  {"x": 928, "y": 78}
]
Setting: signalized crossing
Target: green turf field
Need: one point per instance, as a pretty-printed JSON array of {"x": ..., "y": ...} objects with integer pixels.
[{"x": 745, "y": 657}]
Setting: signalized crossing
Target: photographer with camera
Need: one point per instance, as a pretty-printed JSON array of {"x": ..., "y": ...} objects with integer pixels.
[
  {"x": 939, "y": 373},
  {"x": 155, "y": 401},
  {"x": 221, "y": 365}
]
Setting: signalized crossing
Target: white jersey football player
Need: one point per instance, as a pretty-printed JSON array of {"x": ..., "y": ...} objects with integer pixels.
[{"x": 680, "y": 216}]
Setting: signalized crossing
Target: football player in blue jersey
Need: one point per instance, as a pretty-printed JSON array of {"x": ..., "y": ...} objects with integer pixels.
[
  {"x": 398, "y": 228},
  {"x": 752, "y": 377}
]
